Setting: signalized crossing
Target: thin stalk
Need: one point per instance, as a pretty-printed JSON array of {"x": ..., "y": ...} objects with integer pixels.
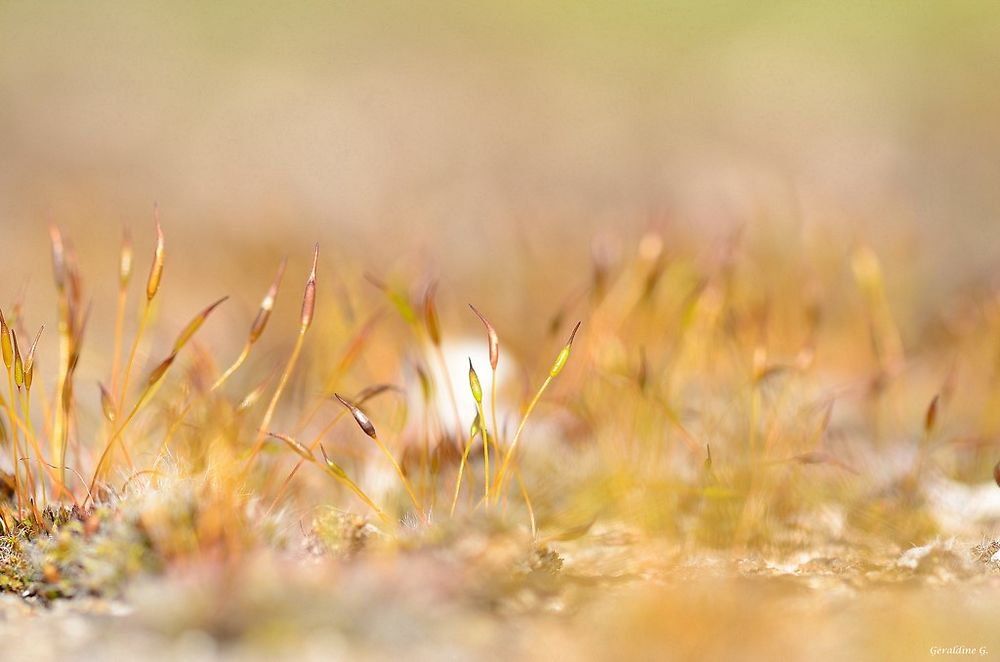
[
  {"x": 498, "y": 484},
  {"x": 486, "y": 453},
  {"x": 256, "y": 330},
  {"x": 28, "y": 477},
  {"x": 556, "y": 368},
  {"x": 237, "y": 364},
  {"x": 14, "y": 444},
  {"x": 461, "y": 472},
  {"x": 402, "y": 478},
  {"x": 172, "y": 430},
  {"x": 334, "y": 470},
  {"x": 493, "y": 414},
  {"x": 306, "y": 318},
  {"x": 124, "y": 277},
  {"x": 143, "y": 322},
  {"x": 152, "y": 287},
  {"x": 351, "y": 485},
  {"x": 50, "y": 469},
  {"x": 273, "y": 405},
  {"x": 451, "y": 391},
  {"x": 308, "y": 312},
  {"x": 298, "y": 465},
  {"x": 119, "y": 338},
  {"x": 26, "y": 408},
  {"x": 527, "y": 502},
  {"x": 115, "y": 437}
]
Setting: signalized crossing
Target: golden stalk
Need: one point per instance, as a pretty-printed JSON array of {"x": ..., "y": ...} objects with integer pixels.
[
  {"x": 366, "y": 426},
  {"x": 308, "y": 311},
  {"x": 557, "y": 367}
]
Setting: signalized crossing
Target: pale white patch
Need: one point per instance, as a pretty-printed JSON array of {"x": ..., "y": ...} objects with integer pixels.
[
  {"x": 958, "y": 507},
  {"x": 378, "y": 478},
  {"x": 456, "y": 354}
]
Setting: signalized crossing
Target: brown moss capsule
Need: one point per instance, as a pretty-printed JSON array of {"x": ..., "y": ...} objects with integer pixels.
[
  {"x": 930, "y": 419},
  {"x": 156, "y": 270},
  {"x": 491, "y": 335},
  {"x": 309, "y": 298},
  {"x": 996, "y": 474},
  {"x": 360, "y": 417}
]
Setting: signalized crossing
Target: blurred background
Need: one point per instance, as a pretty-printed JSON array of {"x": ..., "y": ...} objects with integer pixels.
[
  {"x": 490, "y": 144},
  {"x": 523, "y": 155}
]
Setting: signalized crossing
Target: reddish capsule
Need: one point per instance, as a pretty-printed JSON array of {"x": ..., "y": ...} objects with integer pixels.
[{"x": 996, "y": 473}]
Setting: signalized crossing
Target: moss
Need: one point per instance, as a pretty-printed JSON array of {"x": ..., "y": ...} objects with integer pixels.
[
  {"x": 341, "y": 534},
  {"x": 75, "y": 553}
]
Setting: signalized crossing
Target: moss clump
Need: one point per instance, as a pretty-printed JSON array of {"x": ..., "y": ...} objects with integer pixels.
[
  {"x": 74, "y": 553},
  {"x": 341, "y": 534}
]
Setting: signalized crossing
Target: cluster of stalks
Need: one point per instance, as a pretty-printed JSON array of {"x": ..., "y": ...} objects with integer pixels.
[
  {"x": 673, "y": 318},
  {"x": 495, "y": 483},
  {"x": 41, "y": 456}
]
